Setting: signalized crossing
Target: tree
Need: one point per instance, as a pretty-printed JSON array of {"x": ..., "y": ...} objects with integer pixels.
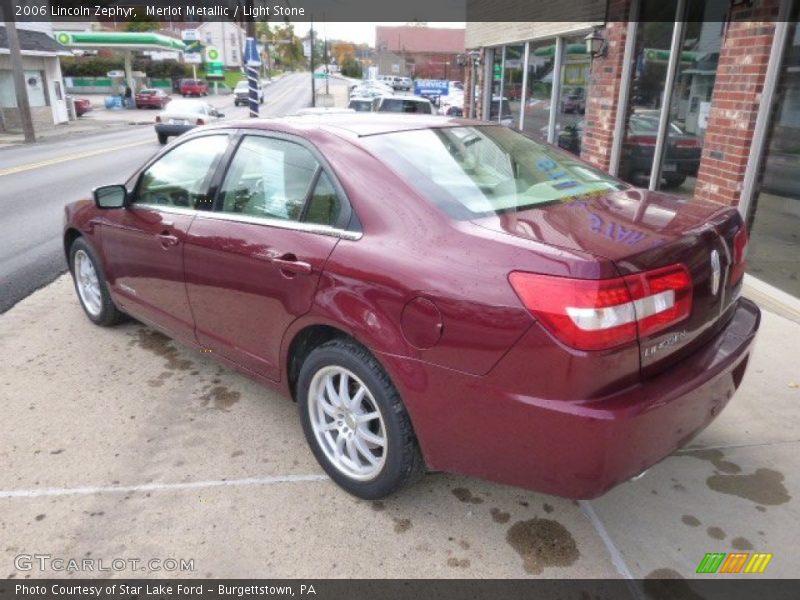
[{"x": 142, "y": 23}]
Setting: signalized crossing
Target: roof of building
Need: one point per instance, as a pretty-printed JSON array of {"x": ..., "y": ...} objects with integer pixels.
[
  {"x": 411, "y": 38},
  {"x": 33, "y": 41}
]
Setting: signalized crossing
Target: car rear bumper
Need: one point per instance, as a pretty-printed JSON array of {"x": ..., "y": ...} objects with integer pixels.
[
  {"x": 577, "y": 449},
  {"x": 169, "y": 129}
]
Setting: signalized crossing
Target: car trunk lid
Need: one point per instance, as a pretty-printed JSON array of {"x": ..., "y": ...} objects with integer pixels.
[{"x": 639, "y": 231}]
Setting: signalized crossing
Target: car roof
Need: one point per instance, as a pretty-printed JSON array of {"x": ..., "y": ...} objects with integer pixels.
[{"x": 355, "y": 124}]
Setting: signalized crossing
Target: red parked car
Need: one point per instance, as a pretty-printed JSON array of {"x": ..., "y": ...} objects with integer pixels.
[
  {"x": 193, "y": 87},
  {"x": 82, "y": 106},
  {"x": 433, "y": 292},
  {"x": 152, "y": 98}
]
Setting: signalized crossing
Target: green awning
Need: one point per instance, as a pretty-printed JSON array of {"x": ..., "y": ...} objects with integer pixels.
[{"x": 118, "y": 39}]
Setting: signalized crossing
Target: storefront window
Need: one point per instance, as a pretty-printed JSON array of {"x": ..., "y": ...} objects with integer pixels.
[
  {"x": 774, "y": 252},
  {"x": 649, "y": 72},
  {"x": 572, "y": 104},
  {"x": 691, "y": 94},
  {"x": 541, "y": 60},
  {"x": 507, "y": 111}
]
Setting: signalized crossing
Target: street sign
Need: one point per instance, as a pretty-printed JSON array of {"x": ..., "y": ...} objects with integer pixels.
[
  {"x": 320, "y": 75},
  {"x": 192, "y": 58},
  {"x": 251, "y": 54},
  {"x": 431, "y": 87},
  {"x": 189, "y": 35}
]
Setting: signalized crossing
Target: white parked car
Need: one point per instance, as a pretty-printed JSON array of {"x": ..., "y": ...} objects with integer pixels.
[{"x": 182, "y": 115}]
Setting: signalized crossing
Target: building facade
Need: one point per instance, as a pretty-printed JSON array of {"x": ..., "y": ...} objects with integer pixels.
[
  {"x": 45, "y": 85},
  {"x": 419, "y": 52},
  {"x": 695, "y": 97},
  {"x": 228, "y": 38}
]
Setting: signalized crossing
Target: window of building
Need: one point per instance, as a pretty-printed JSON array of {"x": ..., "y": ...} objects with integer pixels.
[
  {"x": 774, "y": 252},
  {"x": 536, "y": 112},
  {"x": 691, "y": 94}
]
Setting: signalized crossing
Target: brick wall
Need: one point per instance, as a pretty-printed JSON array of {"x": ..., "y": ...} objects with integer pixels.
[
  {"x": 735, "y": 101},
  {"x": 604, "y": 84}
]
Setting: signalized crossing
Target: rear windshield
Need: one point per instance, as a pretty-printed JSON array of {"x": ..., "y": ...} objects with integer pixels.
[
  {"x": 405, "y": 106},
  {"x": 472, "y": 172},
  {"x": 361, "y": 105}
]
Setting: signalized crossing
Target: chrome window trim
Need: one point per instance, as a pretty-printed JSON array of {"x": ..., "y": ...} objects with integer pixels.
[{"x": 313, "y": 228}]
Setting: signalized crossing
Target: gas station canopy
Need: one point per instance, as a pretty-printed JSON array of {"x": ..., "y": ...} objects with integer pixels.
[{"x": 124, "y": 40}]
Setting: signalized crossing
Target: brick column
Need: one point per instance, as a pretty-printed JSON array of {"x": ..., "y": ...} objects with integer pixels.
[
  {"x": 468, "y": 85},
  {"x": 604, "y": 84},
  {"x": 734, "y": 105}
]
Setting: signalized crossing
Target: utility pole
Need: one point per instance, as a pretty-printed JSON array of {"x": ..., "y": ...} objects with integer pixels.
[
  {"x": 325, "y": 56},
  {"x": 250, "y": 69},
  {"x": 313, "y": 91},
  {"x": 20, "y": 85}
]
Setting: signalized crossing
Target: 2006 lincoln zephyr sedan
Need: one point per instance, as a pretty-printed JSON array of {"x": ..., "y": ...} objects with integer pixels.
[{"x": 433, "y": 292}]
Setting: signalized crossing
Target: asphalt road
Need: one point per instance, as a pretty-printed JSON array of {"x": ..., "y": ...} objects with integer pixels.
[{"x": 36, "y": 182}]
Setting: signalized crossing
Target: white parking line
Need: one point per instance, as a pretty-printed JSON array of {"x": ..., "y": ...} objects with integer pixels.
[
  {"x": 159, "y": 487},
  {"x": 616, "y": 556}
]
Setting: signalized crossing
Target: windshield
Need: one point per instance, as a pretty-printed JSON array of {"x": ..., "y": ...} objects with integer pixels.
[{"x": 478, "y": 171}]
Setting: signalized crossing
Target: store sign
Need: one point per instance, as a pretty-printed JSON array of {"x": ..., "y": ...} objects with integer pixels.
[
  {"x": 431, "y": 87},
  {"x": 189, "y": 35}
]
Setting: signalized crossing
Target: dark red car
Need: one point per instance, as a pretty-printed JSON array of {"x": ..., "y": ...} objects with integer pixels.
[
  {"x": 82, "y": 106},
  {"x": 152, "y": 98},
  {"x": 193, "y": 87},
  {"x": 433, "y": 292}
]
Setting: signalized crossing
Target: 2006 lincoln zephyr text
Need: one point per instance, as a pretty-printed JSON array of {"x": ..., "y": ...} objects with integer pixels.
[{"x": 432, "y": 292}]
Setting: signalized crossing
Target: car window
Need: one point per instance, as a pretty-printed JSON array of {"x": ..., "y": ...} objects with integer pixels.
[
  {"x": 324, "y": 206},
  {"x": 268, "y": 178},
  {"x": 186, "y": 106},
  {"x": 484, "y": 170},
  {"x": 180, "y": 177},
  {"x": 405, "y": 106}
]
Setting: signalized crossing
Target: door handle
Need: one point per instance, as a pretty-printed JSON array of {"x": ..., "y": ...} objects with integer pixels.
[
  {"x": 288, "y": 263},
  {"x": 168, "y": 240}
]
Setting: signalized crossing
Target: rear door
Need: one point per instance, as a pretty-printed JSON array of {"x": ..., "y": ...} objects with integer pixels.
[{"x": 252, "y": 266}]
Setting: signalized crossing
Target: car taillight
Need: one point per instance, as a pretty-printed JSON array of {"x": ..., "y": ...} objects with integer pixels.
[
  {"x": 598, "y": 314},
  {"x": 158, "y": 119},
  {"x": 642, "y": 140},
  {"x": 739, "y": 255},
  {"x": 689, "y": 143},
  {"x": 200, "y": 122}
]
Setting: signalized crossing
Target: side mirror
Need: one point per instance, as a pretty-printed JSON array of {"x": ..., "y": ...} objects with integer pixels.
[
  {"x": 220, "y": 115},
  {"x": 110, "y": 196}
]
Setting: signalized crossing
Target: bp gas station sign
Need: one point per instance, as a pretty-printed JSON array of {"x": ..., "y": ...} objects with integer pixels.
[{"x": 214, "y": 65}]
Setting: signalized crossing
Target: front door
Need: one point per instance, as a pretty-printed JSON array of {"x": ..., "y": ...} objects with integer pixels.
[
  {"x": 252, "y": 265},
  {"x": 143, "y": 243}
]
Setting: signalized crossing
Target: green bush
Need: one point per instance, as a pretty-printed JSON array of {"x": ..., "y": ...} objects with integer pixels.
[{"x": 351, "y": 68}]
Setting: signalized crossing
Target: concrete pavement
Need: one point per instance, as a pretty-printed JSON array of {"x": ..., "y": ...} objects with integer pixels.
[{"x": 121, "y": 444}]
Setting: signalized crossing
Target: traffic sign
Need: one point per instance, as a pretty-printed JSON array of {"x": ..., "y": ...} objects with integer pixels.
[{"x": 320, "y": 75}]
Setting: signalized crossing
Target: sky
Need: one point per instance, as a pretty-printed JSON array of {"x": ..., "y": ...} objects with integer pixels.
[{"x": 359, "y": 33}]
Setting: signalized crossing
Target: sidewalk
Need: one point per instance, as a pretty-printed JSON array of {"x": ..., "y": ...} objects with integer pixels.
[
  {"x": 163, "y": 436},
  {"x": 101, "y": 118}
]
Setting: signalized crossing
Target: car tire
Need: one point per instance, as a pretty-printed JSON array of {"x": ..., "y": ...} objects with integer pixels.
[
  {"x": 673, "y": 181},
  {"x": 90, "y": 285},
  {"x": 162, "y": 138},
  {"x": 388, "y": 437}
]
